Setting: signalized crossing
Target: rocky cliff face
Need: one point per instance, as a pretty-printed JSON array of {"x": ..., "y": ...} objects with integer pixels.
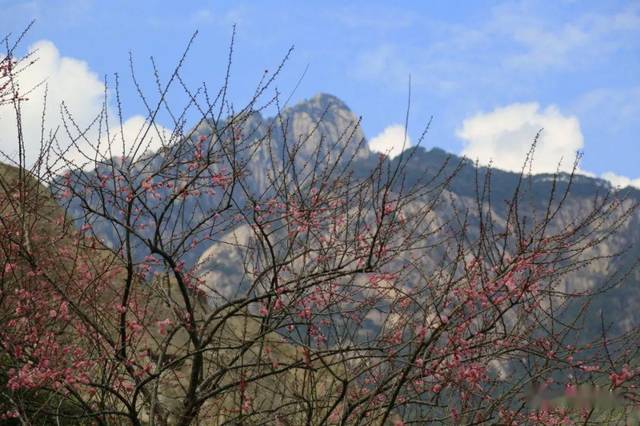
[{"x": 327, "y": 127}]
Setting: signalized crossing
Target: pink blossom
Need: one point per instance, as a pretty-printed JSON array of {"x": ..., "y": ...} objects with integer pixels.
[
  {"x": 135, "y": 326},
  {"x": 9, "y": 267},
  {"x": 571, "y": 390},
  {"x": 162, "y": 325},
  {"x": 618, "y": 379}
]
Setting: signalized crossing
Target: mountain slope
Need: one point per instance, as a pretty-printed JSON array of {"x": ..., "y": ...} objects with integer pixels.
[{"x": 322, "y": 130}]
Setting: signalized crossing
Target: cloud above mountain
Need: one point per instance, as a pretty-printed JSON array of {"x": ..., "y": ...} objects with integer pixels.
[
  {"x": 391, "y": 141},
  {"x": 70, "y": 82},
  {"x": 621, "y": 181},
  {"x": 504, "y": 136}
]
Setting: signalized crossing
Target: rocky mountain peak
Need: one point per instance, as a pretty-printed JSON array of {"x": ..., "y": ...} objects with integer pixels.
[
  {"x": 327, "y": 120},
  {"x": 320, "y": 102}
]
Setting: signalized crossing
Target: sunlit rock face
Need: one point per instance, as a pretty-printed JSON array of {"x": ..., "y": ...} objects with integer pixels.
[
  {"x": 227, "y": 266},
  {"x": 324, "y": 126},
  {"x": 313, "y": 133}
]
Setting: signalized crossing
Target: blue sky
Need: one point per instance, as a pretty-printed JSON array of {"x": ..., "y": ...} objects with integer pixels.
[{"x": 490, "y": 73}]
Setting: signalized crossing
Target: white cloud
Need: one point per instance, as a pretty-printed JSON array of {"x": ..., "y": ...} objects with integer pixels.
[
  {"x": 429, "y": 67},
  {"x": 372, "y": 18},
  {"x": 507, "y": 49},
  {"x": 504, "y": 136},
  {"x": 132, "y": 130},
  {"x": 614, "y": 108},
  {"x": 202, "y": 16},
  {"x": 391, "y": 141},
  {"x": 382, "y": 63},
  {"x": 68, "y": 80},
  {"x": 621, "y": 181},
  {"x": 546, "y": 43}
]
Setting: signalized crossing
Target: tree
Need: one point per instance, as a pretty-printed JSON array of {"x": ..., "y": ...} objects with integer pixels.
[{"x": 358, "y": 297}]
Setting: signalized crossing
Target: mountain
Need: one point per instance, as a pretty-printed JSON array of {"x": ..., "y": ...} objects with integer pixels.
[{"x": 323, "y": 128}]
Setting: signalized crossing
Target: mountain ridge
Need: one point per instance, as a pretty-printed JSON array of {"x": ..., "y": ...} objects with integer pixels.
[{"x": 323, "y": 129}]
